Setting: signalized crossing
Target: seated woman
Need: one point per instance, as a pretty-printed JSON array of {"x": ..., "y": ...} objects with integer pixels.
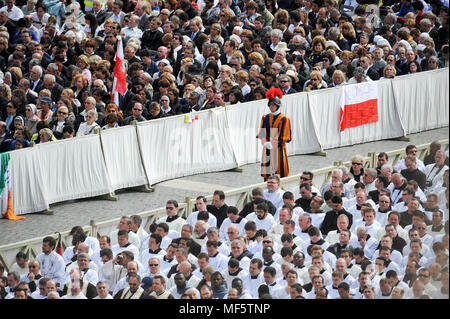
[
  {"x": 62, "y": 119},
  {"x": 112, "y": 108},
  {"x": 155, "y": 111},
  {"x": 389, "y": 72},
  {"x": 45, "y": 135},
  {"x": 89, "y": 125},
  {"x": 111, "y": 121}
]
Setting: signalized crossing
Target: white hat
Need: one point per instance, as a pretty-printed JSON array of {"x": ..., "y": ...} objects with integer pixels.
[
  {"x": 377, "y": 38},
  {"x": 163, "y": 61},
  {"x": 383, "y": 42},
  {"x": 283, "y": 46},
  {"x": 331, "y": 43},
  {"x": 421, "y": 47}
]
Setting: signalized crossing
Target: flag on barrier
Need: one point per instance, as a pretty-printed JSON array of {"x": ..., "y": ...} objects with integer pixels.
[
  {"x": 5, "y": 188},
  {"x": 359, "y": 104}
]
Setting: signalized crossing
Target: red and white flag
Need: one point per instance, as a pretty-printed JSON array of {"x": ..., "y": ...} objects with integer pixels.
[
  {"x": 120, "y": 74},
  {"x": 359, "y": 104}
]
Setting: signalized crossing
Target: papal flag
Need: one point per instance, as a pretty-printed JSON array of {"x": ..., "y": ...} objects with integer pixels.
[{"x": 5, "y": 188}]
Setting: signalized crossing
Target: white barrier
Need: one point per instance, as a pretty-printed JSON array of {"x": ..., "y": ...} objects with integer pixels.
[
  {"x": 172, "y": 148},
  {"x": 326, "y": 112},
  {"x": 422, "y": 100},
  {"x": 123, "y": 158},
  {"x": 221, "y": 139},
  {"x": 58, "y": 171}
]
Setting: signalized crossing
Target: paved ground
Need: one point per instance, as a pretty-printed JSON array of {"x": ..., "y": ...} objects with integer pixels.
[{"x": 80, "y": 212}]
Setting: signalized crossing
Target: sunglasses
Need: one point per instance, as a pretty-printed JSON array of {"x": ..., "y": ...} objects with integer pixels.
[
  {"x": 170, "y": 208},
  {"x": 59, "y": 112},
  {"x": 353, "y": 163}
]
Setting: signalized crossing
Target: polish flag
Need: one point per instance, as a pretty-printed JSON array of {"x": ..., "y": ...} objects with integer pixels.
[
  {"x": 359, "y": 104},
  {"x": 120, "y": 74}
]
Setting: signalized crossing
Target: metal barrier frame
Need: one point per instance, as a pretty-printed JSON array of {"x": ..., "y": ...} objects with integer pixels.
[{"x": 322, "y": 176}]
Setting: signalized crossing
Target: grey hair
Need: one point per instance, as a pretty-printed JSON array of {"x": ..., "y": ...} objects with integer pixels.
[
  {"x": 83, "y": 255},
  {"x": 238, "y": 241},
  {"x": 372, "y": 172},
  {"x": 387, "y": 167},
  {"x": 93, "y": 113},
  {"x": 50, "y": 77},
  {"x": 338, "y": 171},
  {"x": 212, "y": 230},
  {"x": 361, "y": 229},
  {"x": 343, "y": 168},
  {"x": 278, "y": 33}
]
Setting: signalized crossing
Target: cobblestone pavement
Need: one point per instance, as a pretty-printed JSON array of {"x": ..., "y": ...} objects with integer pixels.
[{"x": 80, "y": 212}]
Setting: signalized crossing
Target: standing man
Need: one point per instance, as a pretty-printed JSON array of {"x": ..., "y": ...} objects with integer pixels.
[{"x": 275, "y": 132}]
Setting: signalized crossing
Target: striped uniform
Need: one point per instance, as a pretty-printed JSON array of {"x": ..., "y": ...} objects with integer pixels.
[{"x": 275, "y": 161}]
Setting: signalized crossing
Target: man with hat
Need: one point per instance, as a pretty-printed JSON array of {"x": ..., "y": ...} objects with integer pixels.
[
  {"x": 45, "y": 113},
  {"x": 147, "y": 284},
  {"x": 274, "y": 133}
]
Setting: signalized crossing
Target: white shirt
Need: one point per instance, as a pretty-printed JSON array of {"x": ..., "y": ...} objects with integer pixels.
[
  {"x": 15, "y": 14},
  {"x": 132, "y": 32},
  {"x": 52, "y": 266},
  {"x": 117, "y": 249},
  {"x": 132, "y": 238},
  {"x": 70, "y": 296},
  {"x": 227, "y": 223},
  {"x": 276, "y": 197},
  {"x": 435, "y": 175},
  {"x": 176, "y": 224},
  {"x": 192, "y": 219},
  {"x": 219, "y": 262},
  {"x": 265, "y": 223}
]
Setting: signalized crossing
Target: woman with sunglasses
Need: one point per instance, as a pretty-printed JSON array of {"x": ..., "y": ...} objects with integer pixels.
[
  {"x": 62, "y": 119},
  {"x": 112, "y": 108}
]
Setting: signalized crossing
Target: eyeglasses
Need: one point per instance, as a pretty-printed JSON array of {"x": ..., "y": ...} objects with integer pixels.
[
  {"x": 170, "y": 208},
  {"x": 252, "y": 85},
  {"x": 59, "y": 112},
  {"x": 354, "y": 163},
  {"x": 267, "y": 241},
  {"x": 234, "y": 65},
  {"x": 284, "y": 81},
  {"x": 32, "y": 266},
  {"x": 314, "y": 79},
  {"x": 27, "y": 110},
  {"x": 164, "y": 100},
  {"x": 153, "y": 265},
  {"x": 163, "y": 14},
  {"x": 223, "y": 15},
  {"x": 305, "y": 178},
  {"x": 135, "y": 109}
]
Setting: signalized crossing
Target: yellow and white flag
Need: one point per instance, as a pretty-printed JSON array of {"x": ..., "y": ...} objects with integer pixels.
[{"x": 5, "y": 188}]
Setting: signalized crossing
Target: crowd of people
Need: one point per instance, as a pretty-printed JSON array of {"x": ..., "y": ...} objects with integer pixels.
[
  {"x": 370, "y": 233},
  {"x": 57, "y": 58}
]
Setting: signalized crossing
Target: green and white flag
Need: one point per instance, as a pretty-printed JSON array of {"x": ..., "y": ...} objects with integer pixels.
[{"x": 5, "y": 188}]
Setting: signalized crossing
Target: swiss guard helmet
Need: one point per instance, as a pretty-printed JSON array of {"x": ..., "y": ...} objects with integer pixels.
[{"x": 274, "y": 95}]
